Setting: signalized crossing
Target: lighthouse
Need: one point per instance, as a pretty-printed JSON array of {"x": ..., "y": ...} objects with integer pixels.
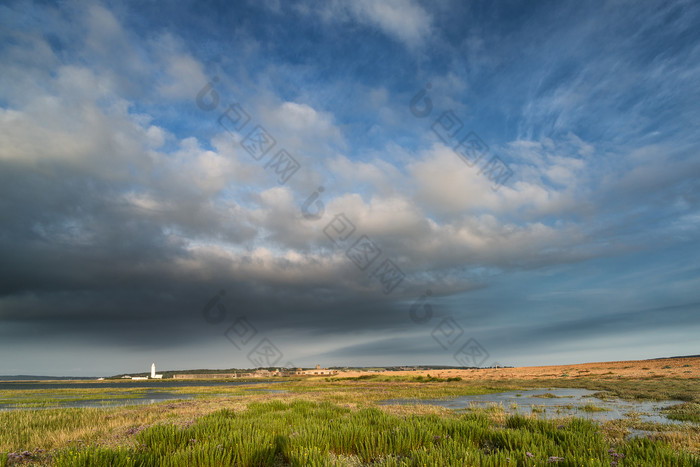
[{"x": 153, "y": 372}]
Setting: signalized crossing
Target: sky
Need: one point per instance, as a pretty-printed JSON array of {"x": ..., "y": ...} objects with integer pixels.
[{"x": 348, "y": 183}]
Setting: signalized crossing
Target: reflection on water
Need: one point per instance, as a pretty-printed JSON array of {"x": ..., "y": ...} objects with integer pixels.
[{"x": 558, "y": 403}]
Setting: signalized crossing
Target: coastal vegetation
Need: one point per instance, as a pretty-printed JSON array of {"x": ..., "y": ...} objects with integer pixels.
[{"x": 345, "y": 421}]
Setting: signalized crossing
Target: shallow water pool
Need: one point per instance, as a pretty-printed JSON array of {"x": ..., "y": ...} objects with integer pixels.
[{"x": 558, "y": 403}]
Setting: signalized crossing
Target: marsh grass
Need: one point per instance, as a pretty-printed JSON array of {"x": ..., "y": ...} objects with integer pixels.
[
  {"x": 52, "y": 428},
  {"x": 683, "y": 389},
  {"x": 42, "y": 398},
  {"x": 666, "y": 388},
  {"x": 302, "y": 433},
  {"x": 338, "y": 422},
  {"x": 592, "y": 408},
  {"x": 686, "y": 412}
]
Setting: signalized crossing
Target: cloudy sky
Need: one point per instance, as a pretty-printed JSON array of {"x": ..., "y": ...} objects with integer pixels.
[{"x": 349, "y": 182}]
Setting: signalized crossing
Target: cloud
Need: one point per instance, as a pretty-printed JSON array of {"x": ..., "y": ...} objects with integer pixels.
[
  {"x": 184, "y": 77},
  {"x": 403, "y": 20},
  {"x": 125, "y": 207}
]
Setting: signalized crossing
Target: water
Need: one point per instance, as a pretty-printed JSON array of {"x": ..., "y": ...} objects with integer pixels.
[
  {"x": 567, "y": 403},
  {"x": 150, "y": 397},
  {"x": 124, "y": 384},
  {"x": 149, "y": 392}
]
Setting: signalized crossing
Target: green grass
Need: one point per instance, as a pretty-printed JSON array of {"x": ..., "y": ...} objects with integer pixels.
[
  {"x": 592, "y": 408},
  {"x": 48, "y": 397},
  {"x": 304, "y": 433},
  {"x": 685, "y": 412},
  {"x": 334, "y": 421},
  {"x": 43, "y": 399}
]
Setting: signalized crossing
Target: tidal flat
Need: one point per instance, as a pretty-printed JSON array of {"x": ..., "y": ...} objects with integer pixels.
[{"x": 346, "y": 421}]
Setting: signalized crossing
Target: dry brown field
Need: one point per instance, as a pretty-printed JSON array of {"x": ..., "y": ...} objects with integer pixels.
[{"x": 666, "y": 367}]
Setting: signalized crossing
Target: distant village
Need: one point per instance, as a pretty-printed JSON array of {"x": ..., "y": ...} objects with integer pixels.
[
  {"x": 259, "y": 373},
  {"x": 272, "y": 372}
]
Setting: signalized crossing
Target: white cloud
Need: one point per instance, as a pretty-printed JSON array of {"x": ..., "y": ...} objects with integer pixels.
[
  {"x": 402, "y": 20},
  {"x": 299, "y": 125},
  {"x": 185, "y": 77},
  {"x": 433, "y": 212}
]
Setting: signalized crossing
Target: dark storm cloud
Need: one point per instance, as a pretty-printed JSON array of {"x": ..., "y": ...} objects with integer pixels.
[{"x": 125, "y": 207}]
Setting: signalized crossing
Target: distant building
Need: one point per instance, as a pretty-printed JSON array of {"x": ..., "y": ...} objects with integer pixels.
[
  {"x": 212, "y": 375},
  {"x": 318, "y": 371}
]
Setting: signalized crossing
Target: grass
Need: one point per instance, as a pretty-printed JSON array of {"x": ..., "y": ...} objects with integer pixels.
[
  {"x": 668, "y": 388},
  {"x": 302, "y": 433},
  {"x": 685, "y": 412},
  {"x": 337, "y": 421},
  {"x": 592, "y": 408},
  {"x": 47, "y": 399}
]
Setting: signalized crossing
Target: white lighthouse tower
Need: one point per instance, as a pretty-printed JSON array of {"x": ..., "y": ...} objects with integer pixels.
[{"x": 153, "y": 372}]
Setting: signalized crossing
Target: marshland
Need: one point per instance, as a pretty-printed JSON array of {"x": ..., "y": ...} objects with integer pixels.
[{"x": 370, "y": 419}]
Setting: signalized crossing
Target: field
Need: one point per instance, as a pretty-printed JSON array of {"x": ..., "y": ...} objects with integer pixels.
[{"x": 341, "y": 421}]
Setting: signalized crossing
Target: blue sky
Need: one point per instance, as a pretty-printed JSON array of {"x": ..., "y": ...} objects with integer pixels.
[{"x": 568, "y": 235}]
